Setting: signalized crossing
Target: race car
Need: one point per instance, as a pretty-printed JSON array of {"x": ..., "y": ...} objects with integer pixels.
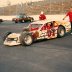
[
  {"x": 37, "y": 30},
  {"x": 22, "y": 18}
]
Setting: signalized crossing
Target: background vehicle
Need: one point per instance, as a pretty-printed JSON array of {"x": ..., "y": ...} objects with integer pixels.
[
  {"x": 22, "y": 18},
  {"x": 38, "y": 30}
]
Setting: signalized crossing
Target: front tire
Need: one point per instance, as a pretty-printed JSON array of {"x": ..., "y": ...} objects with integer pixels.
[
  {"x": 61, "y": 31},
  {"x": 26, "y": 39}
]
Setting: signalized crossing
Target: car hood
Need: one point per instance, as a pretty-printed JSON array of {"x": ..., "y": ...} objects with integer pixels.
[
  {"x": 13, "y": 42},
  {"x": 13, "y": 35}
]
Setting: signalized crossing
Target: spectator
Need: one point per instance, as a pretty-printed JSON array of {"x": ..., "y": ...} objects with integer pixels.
[
  {"x": 69, "y": 13},
  {"x": 42, "y": 16}
]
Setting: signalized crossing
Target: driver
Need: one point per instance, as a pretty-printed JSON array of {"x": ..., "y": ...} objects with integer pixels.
[{"x": 50, "y": 28}]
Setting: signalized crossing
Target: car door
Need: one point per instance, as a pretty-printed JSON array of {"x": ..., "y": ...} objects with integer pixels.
[
  {"x": 43, "y": 31},
  {"x": 48, "y": 31},
  {"x": 52, "y": 30}
]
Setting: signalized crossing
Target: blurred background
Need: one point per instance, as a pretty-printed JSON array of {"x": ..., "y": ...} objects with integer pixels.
[{"x": 35, "y": 7}]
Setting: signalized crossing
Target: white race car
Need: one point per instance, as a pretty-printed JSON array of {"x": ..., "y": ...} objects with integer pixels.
[{"x": 38, "y": 30}]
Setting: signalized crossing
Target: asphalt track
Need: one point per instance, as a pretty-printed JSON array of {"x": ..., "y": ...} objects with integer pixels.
[{"x": 53, "y": 55}]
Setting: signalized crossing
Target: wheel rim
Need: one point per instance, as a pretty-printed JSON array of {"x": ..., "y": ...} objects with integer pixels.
[
  {"x": 22, "y": 20},
  {"x": 62, "y": 32},
  {"x": 31, "y": 20},
  {"x": 28, "y": 39}
]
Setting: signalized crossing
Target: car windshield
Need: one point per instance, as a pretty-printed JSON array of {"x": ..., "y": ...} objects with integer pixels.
[
  {"x": 22, "y": 16},
  {"x": 35, "y": 26},
  {"x": 19, "y": 16}
]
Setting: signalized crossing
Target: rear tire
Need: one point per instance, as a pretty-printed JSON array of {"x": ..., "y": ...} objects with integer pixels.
[
  {"x": 61, "y": 31},
  {"x": 32, "y": 20},
  {"x": 23, "y": 21}
]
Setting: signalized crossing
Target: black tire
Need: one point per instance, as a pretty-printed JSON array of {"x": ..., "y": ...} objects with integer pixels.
[
  {"x": 26, "y": 39},
  {"x": 6, "y": 34},
  {"x": 61, "y": 31},
  {"x": 23, "y": 21},
  {"x": 32, "y": 20},
  {"x": 16, "y": 21}
]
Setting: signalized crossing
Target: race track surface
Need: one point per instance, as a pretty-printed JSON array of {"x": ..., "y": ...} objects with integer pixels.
[{"x": 53, "y": 55}]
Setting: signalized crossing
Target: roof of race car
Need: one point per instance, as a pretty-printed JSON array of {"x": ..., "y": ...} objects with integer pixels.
[{"x": 41, "y": 22}]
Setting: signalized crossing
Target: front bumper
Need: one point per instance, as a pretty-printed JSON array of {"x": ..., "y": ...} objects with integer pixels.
[
  {"x": 12, "y": 39},
  {"x": 11, "y": 43}
]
